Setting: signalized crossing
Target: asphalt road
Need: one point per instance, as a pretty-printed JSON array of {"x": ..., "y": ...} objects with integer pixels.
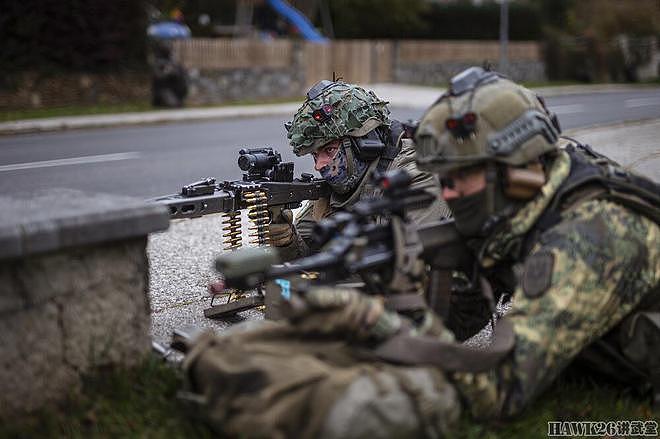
[{"x": 148, "y": 161}]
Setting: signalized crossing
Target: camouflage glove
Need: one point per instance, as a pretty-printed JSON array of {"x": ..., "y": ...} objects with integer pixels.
[
  {"x": 343, "y": 312},
  {"x": 282, "y": 230}
]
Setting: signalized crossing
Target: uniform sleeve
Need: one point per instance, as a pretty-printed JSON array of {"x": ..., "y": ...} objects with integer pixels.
[
  {"x": 303, "y": 226},
  {"x": 581, "y": 279},
  {"x": 421, "y": 180}
]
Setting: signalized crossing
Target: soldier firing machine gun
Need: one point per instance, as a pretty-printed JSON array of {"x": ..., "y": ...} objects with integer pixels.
[
  {"x": 267, "y": 187},
  {"x": 389, "y": 257}
]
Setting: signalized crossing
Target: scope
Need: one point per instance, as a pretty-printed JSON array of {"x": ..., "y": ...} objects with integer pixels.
[
  {"x": 258, "y": 159},
  {"x": 264, "y": 163}
]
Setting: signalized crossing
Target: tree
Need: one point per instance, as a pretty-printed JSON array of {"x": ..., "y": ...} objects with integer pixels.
[
  {"x": 76, "y": 35},
  {"x": 378, "y": 18}
]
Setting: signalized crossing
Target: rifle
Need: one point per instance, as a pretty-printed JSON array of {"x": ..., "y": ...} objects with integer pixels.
[
  {"x": 390, "y": 257},
  {"x": 267, "y": 187}
]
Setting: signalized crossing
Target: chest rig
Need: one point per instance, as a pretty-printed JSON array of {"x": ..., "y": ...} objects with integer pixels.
[{"x": 593, "y": 176}]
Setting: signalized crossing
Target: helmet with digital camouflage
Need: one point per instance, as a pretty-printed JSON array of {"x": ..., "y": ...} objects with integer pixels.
[
  {"x": 484, "y": 117},
  {"x": 333, "y": 110}
]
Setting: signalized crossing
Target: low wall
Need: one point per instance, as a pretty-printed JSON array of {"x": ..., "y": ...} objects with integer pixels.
[
  {"x": 33, "y": 90},
  {"x": 74, "y": 281},
  {"x": 216, "y": 86},
  {"x": 439, "y": 73},
  {"x": 234, "y": 70}
]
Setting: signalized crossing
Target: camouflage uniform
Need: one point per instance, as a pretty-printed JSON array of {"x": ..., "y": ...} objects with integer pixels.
[
  {"x": 581, "y": 279},
  {"x": 584, "y": 266}
]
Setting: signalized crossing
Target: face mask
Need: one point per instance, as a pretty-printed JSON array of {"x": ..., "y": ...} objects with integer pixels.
[
  {"x": 345, "y": 171},
  {"x": 470, "y": 213}
]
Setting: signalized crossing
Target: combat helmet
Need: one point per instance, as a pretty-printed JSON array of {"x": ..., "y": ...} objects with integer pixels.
[
  {"x": 484, "y": 117},
  {"x": 332, "y": 110}
]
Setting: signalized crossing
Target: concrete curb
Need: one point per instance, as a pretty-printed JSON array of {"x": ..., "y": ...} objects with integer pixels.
[
  {"x": 399, "y": 95},
  {"x": 149, "y": 117}
]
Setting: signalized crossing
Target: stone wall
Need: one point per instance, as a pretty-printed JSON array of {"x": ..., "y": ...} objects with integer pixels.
[
  {"x": 73, "y": 291},
  {"x": 246, "y": 84},
  {"x": 32, "y": 90},
  {"x": 439, "y": 73}
]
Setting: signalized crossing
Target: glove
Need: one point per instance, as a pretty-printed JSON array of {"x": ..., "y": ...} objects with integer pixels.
[
  {"x": 343, "y": 312},
  {"x": 282, "y": 230}
]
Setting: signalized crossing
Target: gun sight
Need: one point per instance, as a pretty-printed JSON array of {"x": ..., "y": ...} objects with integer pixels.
[{"x": 264, "y": 163}]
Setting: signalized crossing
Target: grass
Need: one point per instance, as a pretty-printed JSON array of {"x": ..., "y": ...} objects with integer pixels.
[
  {"x": 119, "y": 403},
  {"x": 567, "y": 400},
  {"x": 129, "y": 107},
  {"x": 142, "y": 403},
  {"x": 75, "y": 110}
]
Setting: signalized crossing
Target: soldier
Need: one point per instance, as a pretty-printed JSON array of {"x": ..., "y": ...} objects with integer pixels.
[
  {"x": 575, "y": 236},
  {"x": 348, "y": 132}
]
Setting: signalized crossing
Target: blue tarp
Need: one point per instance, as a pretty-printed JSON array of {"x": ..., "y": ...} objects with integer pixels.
[
  {"x": 296, "y": 18},
  {"x": 168, "y": 30}
]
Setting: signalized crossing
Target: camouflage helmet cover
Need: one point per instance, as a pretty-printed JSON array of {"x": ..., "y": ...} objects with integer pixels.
[
  {"x": 349, "y": 111},
  {"x": 511, "y": 124}
]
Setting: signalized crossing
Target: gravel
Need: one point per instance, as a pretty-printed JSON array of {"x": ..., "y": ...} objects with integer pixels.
[{"x": 181, "y": 267}]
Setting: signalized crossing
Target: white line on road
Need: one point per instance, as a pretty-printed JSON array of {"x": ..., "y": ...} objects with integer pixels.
[
  {"x": 72, "y": 161},
  {"x": 567, "y": 109},
  {"x": 641, "y": 102}
]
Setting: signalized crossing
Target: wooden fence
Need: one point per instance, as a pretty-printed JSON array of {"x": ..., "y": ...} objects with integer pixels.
[
  {"x": 355, "y": 61},
  {"x": 221, "y": 54},
  {"x": 464, "y": 51},
  {"x": 360, "y": 61}
]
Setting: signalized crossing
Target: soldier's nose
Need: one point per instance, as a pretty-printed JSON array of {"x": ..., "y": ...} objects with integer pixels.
[
  {"x": 321, "y": 161},
  {"x": 449, "y": 193}
]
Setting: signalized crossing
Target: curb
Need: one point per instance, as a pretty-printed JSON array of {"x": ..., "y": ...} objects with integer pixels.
[{"x": 145, "y": 118}]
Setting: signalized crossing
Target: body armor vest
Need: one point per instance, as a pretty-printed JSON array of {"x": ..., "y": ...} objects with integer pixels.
[{"x": 595, "y": 176}]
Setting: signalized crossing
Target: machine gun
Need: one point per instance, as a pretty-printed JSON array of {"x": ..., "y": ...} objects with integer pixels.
[
  {"x": 267, "y": 187},
  {"x": 389, "y": 257}
]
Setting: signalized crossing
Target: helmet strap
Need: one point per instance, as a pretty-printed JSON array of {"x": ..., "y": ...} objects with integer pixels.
[
  {"x": 346, "y": 145},
  {"x": 491, "y": 187},
  {"x": 493, "y": 218}
]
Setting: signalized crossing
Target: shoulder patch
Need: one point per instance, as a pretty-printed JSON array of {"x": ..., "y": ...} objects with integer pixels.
[{"x": 537, "y": 276}]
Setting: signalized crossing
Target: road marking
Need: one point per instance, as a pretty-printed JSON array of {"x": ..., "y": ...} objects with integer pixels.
[
  {"x": 641, "y": 102},
  {"x": 72, "y": 161},
  {"x": 567, "y": 109}
]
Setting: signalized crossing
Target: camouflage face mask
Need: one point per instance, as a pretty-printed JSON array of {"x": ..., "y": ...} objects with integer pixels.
[{"x": 345, "y": 171}]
